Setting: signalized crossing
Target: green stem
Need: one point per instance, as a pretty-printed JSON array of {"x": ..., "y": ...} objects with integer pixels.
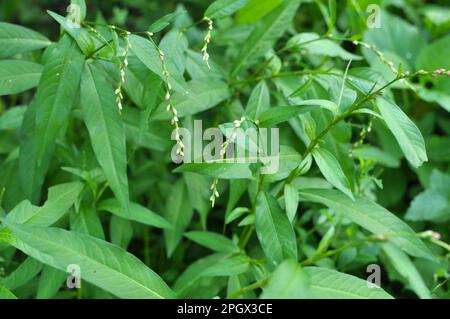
[
  {"x": 283, "y": 74},
  {"x": 248, "y": 288}
]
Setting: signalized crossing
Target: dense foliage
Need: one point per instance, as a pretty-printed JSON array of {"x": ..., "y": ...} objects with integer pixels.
[{"x": 94, "y": 99}]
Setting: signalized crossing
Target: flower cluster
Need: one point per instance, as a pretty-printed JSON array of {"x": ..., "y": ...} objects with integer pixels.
[
  {"x": 237, "y": 124},
  {"x": 440, "y": 72},
  {"x": 170, "y": 106},
  {"x": 362, "y": 136},
  {"x": 207, "y": 40},
  {"x": 380, "y": 55},
  {"x": 214, "y": 192},
  {"x": 123, "y": 66}
]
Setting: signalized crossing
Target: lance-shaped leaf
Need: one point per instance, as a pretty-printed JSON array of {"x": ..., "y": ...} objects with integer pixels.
[
  {"x": 31, "y": 174},
  {"x": 330, "y": 284},
  {"x": 80, "y": 35},
  {"x": 137, "y": 213},
  {"x": 219, "y": 170},
  {"x": 332, "y": 171},
  {"x": 221, "y": 264},
  {"x": 57, "y": 90},
  {"x": 26, "y": 271},
  {"x": 213, "y": 241},
  {"x": 405, "y": 132},
  {"x": 265, "y": 34},
  {"x": 60, "y": 198},
  {"x": 18, "y": 76},
  {"x": 179, "y": 214},
  {"x": 5, "y": 293},
  {"x": 280, "y": 114},
  {"x": 149, "y": 55},
  {"x": 407, "y": 270},
  {"x": 291, "y": 201},
  {"x": 274, "y": 230},
  {"x": 259, "y": 101},
  {"x": 289, "y": 281},
  {"x": 101, "y": 263},
  {"x": 202, "y": 95},
  {"x": 17, "y": 39},
  {"x": 223, "y": 8},
  {"x": 106, "y": 130},
  {"x": 86, "y": 221},
  {"x": 50, "y": 282},
  {"x": 372, "y": 217}
]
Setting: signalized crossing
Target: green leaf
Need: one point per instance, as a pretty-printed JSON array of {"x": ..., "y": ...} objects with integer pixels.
[
  {"x": 199, "y": 193},
  {"x": 265, "y": 34},
  {"x": 121, "y": 231},
  {"x": 80, "y": 9},
  {"x": 219, "y": 170},
  {"x": 60, "y": 198},
  {"x": 148, "y": 54},
  {"x": 80, "y": 35},
  {"x": 106, "y": 130},
  {"x": 289, "y": 281},
  {"x": 18, "y": 76},
  {"x": 325, "y": 104},
  {"x": 230, "y": 266},
  {"x": 30, "y": 172},
  {"x": 102, "y": 264},
  {"x": 203, "y": 95},
  {"x": 397, "y": 39},
  {"x": 280, "y": 114},
  {"x": 5, "y": 293},
  {"x": 235, "y": 214},
  {"x": 431, "y": 58},
  {"x": 50, "y": 282},
  {"x": 372, "y": 217},
  {"x": 440, "y": 182},
  {"x": 26, "y": 271},
  {"x": 16, "y": 39},
  {"x": 291, "y": 201},
  {"x": 179, "y": 214},
  {"x": 429, "y": 205},
  {"x": 258, "y": 102},
  {"x": 57, "y": 90},
  {"x": 188, "y": 280},
  {"x": 12, "y": 118},
  {"x": 274, "y": 231},
  {"x": 404, "y": 266},
  {"x": 174, "y": 45},
  {"x": 330, "y": 284},
  {"x": 164, "y": 21},
  {"x": 405, "y": 132},
  {"x": 373, "y": 153},
  {"x": 224, "y": 8},
  {"x": 87, "y": 221},
  {"x": 314, "y": 45},
  {"x": 255, "y": 10},
  {"x": 213, "y": 241},
  {"x": 332, "y": 170},
  {"x": 137, "y": 213}
]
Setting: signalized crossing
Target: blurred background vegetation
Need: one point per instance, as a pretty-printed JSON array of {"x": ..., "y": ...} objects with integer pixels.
[{"x": 406, "y": 192}]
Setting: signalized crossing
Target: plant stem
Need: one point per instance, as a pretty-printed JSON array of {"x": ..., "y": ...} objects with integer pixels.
[
  {"x": 248, "y": 288},
  {"x": 283, "y": 74}
]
